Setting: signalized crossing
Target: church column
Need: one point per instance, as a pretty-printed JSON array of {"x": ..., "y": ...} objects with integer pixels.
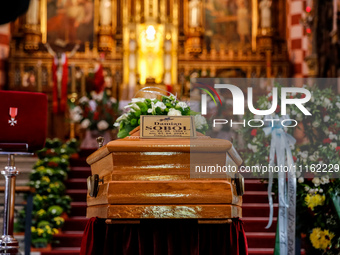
[{"x": 296, "y": 37}]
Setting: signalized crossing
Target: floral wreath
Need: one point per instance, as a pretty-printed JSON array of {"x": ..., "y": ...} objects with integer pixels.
[{"x": 318, "y": 217}]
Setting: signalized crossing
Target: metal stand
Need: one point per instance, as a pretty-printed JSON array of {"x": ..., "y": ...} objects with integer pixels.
[{"x": 8, "y": 244}]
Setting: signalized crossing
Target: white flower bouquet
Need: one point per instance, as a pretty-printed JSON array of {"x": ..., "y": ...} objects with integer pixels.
[
  {"x": 168, "y": 105},
  {"x": 96, "y": 112}
]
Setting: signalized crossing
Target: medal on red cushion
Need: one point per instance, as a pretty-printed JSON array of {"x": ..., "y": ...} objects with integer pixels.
[{"x": 13, "y": 112}]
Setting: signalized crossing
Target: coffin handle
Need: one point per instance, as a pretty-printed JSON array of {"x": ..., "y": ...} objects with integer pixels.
[{"x": 93, "y": 184}]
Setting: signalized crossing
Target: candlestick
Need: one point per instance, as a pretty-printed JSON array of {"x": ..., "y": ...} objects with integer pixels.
[
  {"x": 83, "y": 85},
  {"x": 73, "y": 78}
]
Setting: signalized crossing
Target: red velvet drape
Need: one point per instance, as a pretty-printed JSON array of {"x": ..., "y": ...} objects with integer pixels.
[{"x": 164, "y": 237}]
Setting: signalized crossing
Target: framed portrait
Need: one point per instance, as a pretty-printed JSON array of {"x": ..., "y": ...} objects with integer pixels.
[
  {"x": 69, "y": 22},
  {"x": 232, "y": 23}
]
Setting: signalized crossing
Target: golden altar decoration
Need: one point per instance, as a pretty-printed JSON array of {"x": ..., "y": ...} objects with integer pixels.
[{"x": 165, "y": 41}]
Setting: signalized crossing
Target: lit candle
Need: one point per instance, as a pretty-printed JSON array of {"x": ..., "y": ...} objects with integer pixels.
[
  {"x": 83, "y": 85},
  {"x": 73, "y": 79},
  {"x": 194, "y": 13},
  {"x": 32, "y": 16},
  {"x": 105, "y": 12}
]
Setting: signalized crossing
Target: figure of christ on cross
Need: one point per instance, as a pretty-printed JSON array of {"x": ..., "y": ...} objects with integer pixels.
[{"x": 60, "y": 77}]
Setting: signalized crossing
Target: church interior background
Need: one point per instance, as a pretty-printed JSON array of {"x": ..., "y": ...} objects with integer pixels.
[{"x": 161, "y": 43}]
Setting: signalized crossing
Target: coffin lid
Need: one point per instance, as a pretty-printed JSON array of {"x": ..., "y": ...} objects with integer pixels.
[{"x": 133, "y": 143}]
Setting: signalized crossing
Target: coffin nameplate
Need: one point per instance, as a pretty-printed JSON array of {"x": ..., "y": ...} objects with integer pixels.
[{"x": 162, "y": 126}]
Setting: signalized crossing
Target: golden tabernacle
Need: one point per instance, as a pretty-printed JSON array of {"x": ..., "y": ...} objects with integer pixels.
[{"x": 134, "y": 178}]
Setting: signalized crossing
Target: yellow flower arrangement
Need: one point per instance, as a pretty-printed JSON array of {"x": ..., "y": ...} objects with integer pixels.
[
  {"x": 59, "y": 220},
  {"x": 40, "y": 231},
  {"x": 41, "y": 212},
  {"x": 314, "y": 200},
  {"x": 321, "y": 239},
  {"x": 46, "y": 179}
]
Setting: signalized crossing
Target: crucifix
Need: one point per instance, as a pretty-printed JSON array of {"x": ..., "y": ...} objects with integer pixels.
[{"x": 60, "y": 77}]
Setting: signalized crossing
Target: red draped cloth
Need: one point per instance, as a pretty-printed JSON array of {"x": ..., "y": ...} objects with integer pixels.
[{"x": 164, "y": 237}]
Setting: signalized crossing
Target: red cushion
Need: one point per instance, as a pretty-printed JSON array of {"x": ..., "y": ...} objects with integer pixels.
[{"x": 30, "y": 111}]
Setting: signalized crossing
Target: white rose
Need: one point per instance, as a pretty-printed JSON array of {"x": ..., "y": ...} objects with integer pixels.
[
  {"x": 96, "y": 96},
  {"x": 254, "y": 148},
  {"x": 77, "y": 109},
  {"x": 337, "y": 104},
  {"x": 304, "y": 154},
  {"x": 326, "y": 118},
  {"x": 85, "y": 123},
  {"x": 306, "y": 188},
  {"x": 326, "y": 131},
  {"x": 301, "y": 179},
  {"x": 327, "y": 102},
  {"x": 315, "y": 124},
  {"x": 160, "y": 105},
  {"x": 154, "y": 106},
  {"x": 324, "y": 179},
  {"x": 332, "y": 136},
  {"x": 83, "y": 99},
  {"x": 311, "y": 158},
  {"x": 200, "y": 121},
  {"x": 311, "y": 191},
  {"x": 334, "y": 145},
  {"x": 181, "y": 105},
  {"x": 320, "y": 190},
  {"x": 174, "y": 112},
  {"x": 102, "y": 125},
  {"x": 76, "y": 114},
  {"x": 76, "y": 117},
  {"x": 316, "y": 181}
]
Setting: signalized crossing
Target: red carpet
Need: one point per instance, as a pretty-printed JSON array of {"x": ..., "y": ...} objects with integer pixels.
[{"x": 255, "y": 214}]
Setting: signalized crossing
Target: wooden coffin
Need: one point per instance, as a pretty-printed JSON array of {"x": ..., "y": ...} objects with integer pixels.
[{"x": 150, "y": 178}]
